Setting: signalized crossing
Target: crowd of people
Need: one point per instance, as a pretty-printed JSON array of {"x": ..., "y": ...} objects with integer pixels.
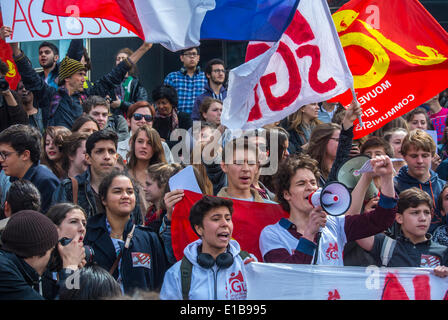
[{"x": 87, "y": 206}]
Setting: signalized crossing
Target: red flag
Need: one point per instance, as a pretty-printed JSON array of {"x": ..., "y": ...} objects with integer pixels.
[
  {"x": 397, "y": 53},
  {"x": 120, "y": 11},
  {"x": 13, "y": 76},
  {"x": 249, "y": 219}
]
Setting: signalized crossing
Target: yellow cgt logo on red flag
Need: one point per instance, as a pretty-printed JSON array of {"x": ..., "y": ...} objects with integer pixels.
[
  {"x": 398, "y": 58},
  {"x": 12, "y": 69}
]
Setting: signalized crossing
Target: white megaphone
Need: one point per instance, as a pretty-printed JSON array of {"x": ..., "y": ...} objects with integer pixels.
[{"x": 334, "y": 198}]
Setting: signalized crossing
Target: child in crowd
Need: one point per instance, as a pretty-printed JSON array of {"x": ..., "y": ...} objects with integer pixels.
[{"x": 414, "y": 246}]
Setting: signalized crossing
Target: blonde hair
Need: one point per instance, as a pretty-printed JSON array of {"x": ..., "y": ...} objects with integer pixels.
[
  {"x": 296, "y": 120},
  {"x": 420, "y": 140}
]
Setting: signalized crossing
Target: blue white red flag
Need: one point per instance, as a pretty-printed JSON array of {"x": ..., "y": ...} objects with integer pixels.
[{"x": 181, "y": 24}]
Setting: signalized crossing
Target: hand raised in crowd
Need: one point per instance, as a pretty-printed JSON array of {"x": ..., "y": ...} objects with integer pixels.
[
  {"x": 354, "y": 151},
  {"x": 116, "y": 103},
  {"x": 435, "y": 162},
  {"x": 382, "y": 166},
  {"x": 5, "y": 32},
  {"x": 351, "y": 114},
  {"x": 73, "y": 254},
  {"x": 171, "y": 198},
  {"x": 371, "y": 204},
  {"x": 317, "y": 220}
]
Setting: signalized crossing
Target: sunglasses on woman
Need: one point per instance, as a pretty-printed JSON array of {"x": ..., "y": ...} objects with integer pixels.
[{"x": 139, "y": 116}]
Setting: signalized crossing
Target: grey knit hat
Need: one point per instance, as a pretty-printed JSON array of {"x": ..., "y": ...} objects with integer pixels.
[{"x": 29, "y": 233}]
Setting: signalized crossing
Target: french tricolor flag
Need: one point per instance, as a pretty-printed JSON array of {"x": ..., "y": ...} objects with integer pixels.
[{"x": 179, "y": 24}]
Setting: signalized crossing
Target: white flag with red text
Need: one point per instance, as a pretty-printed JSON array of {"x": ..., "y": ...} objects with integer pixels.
[{"x": 308, "y": 66}]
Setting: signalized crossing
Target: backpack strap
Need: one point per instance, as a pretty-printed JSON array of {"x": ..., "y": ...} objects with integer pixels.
[
  {"x": 186, "y": 268},
  {"x": 387, "y": 250},
  {"x": 126, "y": 246},
  {"x": 74, "y": 190},
  {"x": 185, "y": 272}
]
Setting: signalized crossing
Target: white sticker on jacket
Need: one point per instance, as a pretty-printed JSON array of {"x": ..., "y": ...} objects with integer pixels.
[{"x": 140, "y": 259}]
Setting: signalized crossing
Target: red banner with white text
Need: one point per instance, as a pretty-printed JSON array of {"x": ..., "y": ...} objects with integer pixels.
[{"x": 397, "y": 54}]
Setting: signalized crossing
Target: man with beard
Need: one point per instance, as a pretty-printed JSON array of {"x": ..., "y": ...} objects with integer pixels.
[
  {"x": 48, "y": 60},
  {"x": 101, "y": 157},
  {"x": 216, "y": 75},
  {"x": 11, "y": 111}
]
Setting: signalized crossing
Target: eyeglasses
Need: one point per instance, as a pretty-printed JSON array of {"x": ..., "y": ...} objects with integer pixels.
[
  {"x": 219, "y": 71},
  {"x": 190, "y": 55},
  {"x": 139, "y": 116},
  {"x": 4, "y": 154}
]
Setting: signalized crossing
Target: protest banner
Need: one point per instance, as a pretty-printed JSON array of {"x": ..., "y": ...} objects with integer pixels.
[
  {"x": 273, "y": 281},
  {"x": 249, "y": 218},
  {"x": 397, "y": 54},
  {"x": 309, "y": 66},
  {"x": 29, "y": 23}
]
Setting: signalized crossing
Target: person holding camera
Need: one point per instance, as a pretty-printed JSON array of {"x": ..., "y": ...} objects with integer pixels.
[
  {"x": 28, "y": 242},
  {"x": 11, "y": 110},
  {"x": 70, "y": 220}
]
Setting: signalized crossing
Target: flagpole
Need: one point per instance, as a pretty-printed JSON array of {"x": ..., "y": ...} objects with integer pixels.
[{"x": 361, "y": 124}]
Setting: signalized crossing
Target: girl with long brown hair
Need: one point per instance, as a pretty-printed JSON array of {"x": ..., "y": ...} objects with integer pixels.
[
  {"x": 52, "y": 141},
  {"x": 300, "y": 125},
  {"x": 145, "y": 150}
]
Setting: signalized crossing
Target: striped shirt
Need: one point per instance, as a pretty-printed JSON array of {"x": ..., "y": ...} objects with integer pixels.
[{"x": 188, "y": 88}]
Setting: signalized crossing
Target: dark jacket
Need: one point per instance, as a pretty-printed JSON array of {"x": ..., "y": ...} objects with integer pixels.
[
  {"x": 118, "y": 124},
  {"x": 10, "y": 115},
  {"x": 163, "y": 127},
  {"x": 217, "y": 177},
  {"x": 433, "y": 187},
  {"x": 137, "y": 93},
  {"x": 136, "y": 272},
  {"x": 58, "y": 108},
  {"x": 424, "y": 254},
  {"x": 342, "y": 154},
  {"x": 18, "y": 280},
  {"x": 45, "y": 181},
  {"x": 296, "y": 141},
  {"x": 86, "y": 197},
  {"x": 195, "y": 114}
]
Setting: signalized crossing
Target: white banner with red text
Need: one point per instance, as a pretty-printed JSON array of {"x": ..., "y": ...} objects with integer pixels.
[
  {"x": 274, "y": 281},
  {"x": 29, "y": 23}
]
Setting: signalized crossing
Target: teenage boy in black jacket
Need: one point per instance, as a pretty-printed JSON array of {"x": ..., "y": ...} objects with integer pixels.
[{"x": 413, "y": 246}]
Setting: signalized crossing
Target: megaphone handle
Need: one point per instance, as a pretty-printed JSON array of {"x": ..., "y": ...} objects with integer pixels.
[{"x": 316, "y": 253}]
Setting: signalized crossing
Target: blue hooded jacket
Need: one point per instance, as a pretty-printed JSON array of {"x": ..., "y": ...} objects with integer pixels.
[{"x": 433, "y": 187}]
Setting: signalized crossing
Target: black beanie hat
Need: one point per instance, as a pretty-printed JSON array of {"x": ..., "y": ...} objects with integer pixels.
[{"x": 29, "y": 233}]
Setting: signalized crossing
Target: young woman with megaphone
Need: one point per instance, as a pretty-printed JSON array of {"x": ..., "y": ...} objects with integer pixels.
[{"x": 309, "y": 235}]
